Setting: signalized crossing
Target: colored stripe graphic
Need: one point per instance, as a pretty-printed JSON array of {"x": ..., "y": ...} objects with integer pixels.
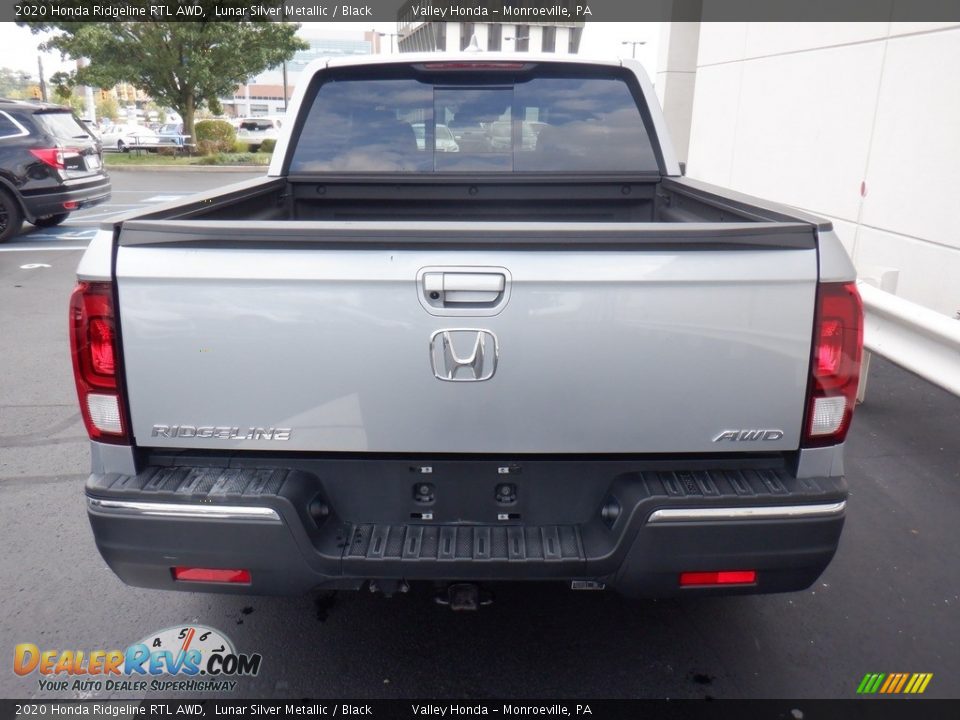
[
  {"x": 903, "y": 680},
  {"x": 891, "y": 680},
  {"x": 894, "y": 683}
]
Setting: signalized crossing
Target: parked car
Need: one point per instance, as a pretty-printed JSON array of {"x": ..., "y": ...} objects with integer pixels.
[
  {"x": 50, "y": 165},
  {"x": 171, "y": 134},
  {"x": 253, "y": 131},
  {"x": 443, "y": 138},
  {"x": 501, "y": 134},
  {"x": 122, "y": 136},
  {"x": 381, "y": 363}
]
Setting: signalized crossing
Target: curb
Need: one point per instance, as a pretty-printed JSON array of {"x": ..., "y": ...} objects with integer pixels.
[{"x": 188, "y": 168}]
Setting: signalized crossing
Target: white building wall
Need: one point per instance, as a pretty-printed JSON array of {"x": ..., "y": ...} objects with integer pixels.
[
  {"x": 859, "y": 122},
  {"x": 676, "y": 80}
]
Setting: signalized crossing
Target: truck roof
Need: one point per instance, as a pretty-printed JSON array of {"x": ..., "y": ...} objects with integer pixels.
[{"x": 422, "y": 57}]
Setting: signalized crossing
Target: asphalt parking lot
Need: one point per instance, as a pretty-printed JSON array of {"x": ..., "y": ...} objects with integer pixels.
[{"x": 889, "y": 602}]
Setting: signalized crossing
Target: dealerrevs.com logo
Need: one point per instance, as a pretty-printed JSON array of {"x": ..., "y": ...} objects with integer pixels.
[{"x": 185, "y": 658}]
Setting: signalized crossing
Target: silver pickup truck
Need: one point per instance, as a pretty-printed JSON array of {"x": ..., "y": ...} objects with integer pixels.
[{"x": 538, "y": 352}]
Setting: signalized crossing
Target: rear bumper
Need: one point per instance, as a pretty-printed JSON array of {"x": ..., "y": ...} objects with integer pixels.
[
  {"x": 80, "y": 195},
  {"x": 632, "y": 530}
]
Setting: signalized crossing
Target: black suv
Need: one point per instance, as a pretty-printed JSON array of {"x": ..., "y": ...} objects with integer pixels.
[{"x": 50, "y": 165}]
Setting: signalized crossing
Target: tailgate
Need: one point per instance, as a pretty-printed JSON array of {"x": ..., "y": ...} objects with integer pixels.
[{"x": 466, "y": 338}]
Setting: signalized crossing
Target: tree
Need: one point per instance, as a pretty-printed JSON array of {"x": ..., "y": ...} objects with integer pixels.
[
  {"x": 65, "y": 95},
  {"x": 13, "y": 82},
  {"x": 180, "y": 64},
  {"x": 107, "y": 108},
  {"x": 64, "y": 92}
]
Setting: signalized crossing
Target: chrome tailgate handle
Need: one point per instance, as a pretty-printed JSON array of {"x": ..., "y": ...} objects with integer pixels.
[{"x": 455, "y": 287}]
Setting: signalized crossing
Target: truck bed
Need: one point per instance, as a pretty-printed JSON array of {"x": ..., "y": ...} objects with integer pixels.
[{"x": 648, "y": 200}]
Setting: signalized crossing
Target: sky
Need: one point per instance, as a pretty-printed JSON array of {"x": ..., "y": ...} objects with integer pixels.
[{"x": 599, "y": 40}]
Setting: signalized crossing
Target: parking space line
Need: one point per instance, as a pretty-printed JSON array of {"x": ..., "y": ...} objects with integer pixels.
[
  {"x": 83, "y": 218},
  {"x": 133, "y": 204}
]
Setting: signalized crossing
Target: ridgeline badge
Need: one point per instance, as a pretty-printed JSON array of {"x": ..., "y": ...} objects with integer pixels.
[{"x": 220, "y": 432}]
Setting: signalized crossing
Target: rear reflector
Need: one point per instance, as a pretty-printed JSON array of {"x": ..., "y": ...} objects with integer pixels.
[
  {"x": 93, "y": 340},
  {"x": 835, "y": 368},
  {"x": 71, "y": 205},
  {"x": 722, "y": 577},
  {"x": 211, "y": 575}
]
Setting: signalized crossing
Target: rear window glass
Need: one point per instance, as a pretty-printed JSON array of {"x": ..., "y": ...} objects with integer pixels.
[
  {"x": 62, "y": 125},
  {"x": 9, "y": 127},
  {"x": 407, "y": 125}
]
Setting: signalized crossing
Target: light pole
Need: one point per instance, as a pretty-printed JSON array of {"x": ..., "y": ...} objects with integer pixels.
[
  {"x": 43, "y": 82},
  {"x": 90, "y": 108},
  {"x": 634, "y": 43}
]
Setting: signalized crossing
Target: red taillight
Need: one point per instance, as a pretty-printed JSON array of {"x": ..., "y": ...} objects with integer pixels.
[
  {"x": 55, "y": 157},
  {"x": 93, "y": 342},
  {"x": 835, "y": 370},
  {"x": 722, "y": 577},
  {"x": 101, "y": 338},
  {"x": 49, "y": 156},
  {"x": 830, "y": 348},
  {"x": 211, "y": 575}
]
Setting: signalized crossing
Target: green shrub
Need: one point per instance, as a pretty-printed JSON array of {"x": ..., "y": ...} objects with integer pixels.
[
  {"x": 207, "y": 147},
  {"x": 209, "y": 158},
  {"x": 246, "y": 158},
  {"x": 213, "y": 136},
  {"x": 240, "y": 146},
  {"x": 268, "y": 145}
]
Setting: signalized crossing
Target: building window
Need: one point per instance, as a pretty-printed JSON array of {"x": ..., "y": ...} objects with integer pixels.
[
  {"x": 522, "y": 38},
  {"x": 466, "y": 32},
  {"x": 549, "y": 39},
  {"x": 494, "y": 34},
  {"x": 574, "y": 45}
]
